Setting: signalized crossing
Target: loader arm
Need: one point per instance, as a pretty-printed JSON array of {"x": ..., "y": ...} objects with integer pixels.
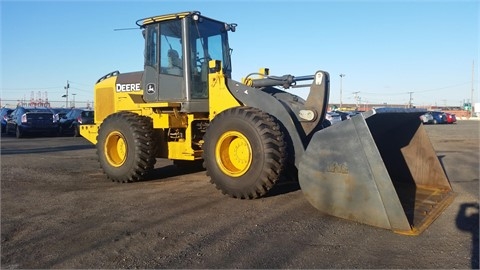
[
  {"x": 316, "y": 104},
  {"x": 299, "y": 118}
]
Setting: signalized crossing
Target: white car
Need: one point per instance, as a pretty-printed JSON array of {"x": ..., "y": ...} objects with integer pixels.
[{"x": 427, "y": 118}]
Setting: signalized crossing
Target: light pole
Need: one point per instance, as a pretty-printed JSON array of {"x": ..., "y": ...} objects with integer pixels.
[{"x": 341, "y": 77}]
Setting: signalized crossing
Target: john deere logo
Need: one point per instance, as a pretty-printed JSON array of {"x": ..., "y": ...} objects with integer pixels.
[{"x": 150, "y": 88}]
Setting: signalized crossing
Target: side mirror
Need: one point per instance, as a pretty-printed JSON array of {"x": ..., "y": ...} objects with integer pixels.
[{"x": 230, "y": 27}]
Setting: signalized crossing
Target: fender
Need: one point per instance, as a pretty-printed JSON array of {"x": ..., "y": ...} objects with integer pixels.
[{"x": 287, "y": 108}]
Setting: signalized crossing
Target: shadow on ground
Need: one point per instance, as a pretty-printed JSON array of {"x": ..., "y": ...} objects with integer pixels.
[{"x": 467, "y": 220}]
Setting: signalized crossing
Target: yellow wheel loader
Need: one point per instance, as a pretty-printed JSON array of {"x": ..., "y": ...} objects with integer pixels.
[{"x": 378, "y": 168}]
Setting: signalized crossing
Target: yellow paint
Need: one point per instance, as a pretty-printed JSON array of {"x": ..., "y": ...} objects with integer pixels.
[
  {"x": 115, "y": 149},
  {"x": 89, "y": 132},
  {"x": 233, "y": 153},
  {"x": 220, "y": 97},
  {"x": 166, "y": 17},
  {"x": 164, "y": 115},
  {"x": 104, "y": 99},
  {"x": 182, "y": 149},
  {"x": 262, "y": 73}
]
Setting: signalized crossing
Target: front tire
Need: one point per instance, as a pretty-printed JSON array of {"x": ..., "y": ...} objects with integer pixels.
[
  {"x": 125, "y": 147},
  {"x": 244, "y": 152}
]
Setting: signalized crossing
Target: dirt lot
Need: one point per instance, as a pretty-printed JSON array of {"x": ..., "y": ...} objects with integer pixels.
[{"x": 59, "y": 211}]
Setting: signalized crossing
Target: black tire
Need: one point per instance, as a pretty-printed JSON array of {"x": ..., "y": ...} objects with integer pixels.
[
  {"x": 125, "y": 147},
  {"x": 244, "y": 152}
]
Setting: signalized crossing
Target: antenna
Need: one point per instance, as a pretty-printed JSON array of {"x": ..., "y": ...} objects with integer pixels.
[{"x": 123, "y": 29}]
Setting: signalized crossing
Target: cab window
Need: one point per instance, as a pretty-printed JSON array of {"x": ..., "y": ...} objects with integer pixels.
[{"x": 171, "y": 53}]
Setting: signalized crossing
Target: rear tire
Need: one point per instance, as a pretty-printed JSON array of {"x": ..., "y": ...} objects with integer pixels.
[
  {"x": 244, "y": 152},
  {"x": 125, "y": 147}
]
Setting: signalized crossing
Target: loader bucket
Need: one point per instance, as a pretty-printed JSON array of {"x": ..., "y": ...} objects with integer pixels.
[{"x": 378, "y": 168}]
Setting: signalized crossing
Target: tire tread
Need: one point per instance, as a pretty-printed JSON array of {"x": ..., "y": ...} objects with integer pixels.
[{"x": 273, "y": 142}]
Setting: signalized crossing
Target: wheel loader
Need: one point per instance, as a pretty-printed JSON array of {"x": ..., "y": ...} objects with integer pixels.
[{"x": 378, "y": 168}]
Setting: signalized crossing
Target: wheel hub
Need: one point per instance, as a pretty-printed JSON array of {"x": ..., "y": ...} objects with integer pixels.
[
  {"x": 233, "y": 154},
  {"x": 116, "y": 149}
]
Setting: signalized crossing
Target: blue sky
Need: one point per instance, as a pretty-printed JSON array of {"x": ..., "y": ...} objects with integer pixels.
[{"x": 386, "y": 49}]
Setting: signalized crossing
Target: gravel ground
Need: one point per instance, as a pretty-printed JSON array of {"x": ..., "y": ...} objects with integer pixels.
[{"x": 59, "y": 211}]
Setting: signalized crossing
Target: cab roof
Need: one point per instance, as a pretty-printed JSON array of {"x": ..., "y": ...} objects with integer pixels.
[{"x": 180, "y": 15}]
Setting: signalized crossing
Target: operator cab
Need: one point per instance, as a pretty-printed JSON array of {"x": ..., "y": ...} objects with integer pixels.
[{"x": 177, "y": 50}]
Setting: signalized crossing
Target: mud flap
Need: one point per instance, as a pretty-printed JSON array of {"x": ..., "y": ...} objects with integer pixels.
[{"x": 378, "y": 168}]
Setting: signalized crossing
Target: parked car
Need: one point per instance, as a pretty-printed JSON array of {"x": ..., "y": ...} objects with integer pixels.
[
  {"x": 29, "y": 120},
  {"x": 451, "y": 118},
  {"x": 438, "y": 117},
  {"x": 59, "y": 113},
  {"x": 344, "y": 115},
  {"x": 426, "y": 118},
  {"x": 4, "y": 113},
  {"x": 333, "y": 118},
  {"x": 70, "y": 123}
]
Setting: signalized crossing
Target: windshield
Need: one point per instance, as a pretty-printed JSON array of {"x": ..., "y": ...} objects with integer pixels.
[{"x": 209, "y": 41}]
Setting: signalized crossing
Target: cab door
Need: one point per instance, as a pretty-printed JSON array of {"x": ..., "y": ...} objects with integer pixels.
[
  {"x": 164, "y": 74},
  {"x": 151, "y": 66}
]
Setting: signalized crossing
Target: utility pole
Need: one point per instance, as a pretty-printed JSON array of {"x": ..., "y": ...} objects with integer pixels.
[
  {"x": 410, "y": 100},
  {"x": 357, "y": 99},
  {"x": 66, "y": 95},
  {"x": 471, "y": 97},
  {"x": 341, "y": 77}
]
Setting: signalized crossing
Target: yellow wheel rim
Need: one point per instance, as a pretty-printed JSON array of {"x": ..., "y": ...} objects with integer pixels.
[
  {"x": 233, "y": 154},
  {"x": 115, "y": 149}
]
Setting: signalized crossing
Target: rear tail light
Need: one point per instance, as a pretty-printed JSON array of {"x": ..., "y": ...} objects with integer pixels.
[
  {"x": 79, "y": 120},
  {"x": 24, "y": 118}
]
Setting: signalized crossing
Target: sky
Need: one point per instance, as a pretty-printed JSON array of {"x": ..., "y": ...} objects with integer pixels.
[{"x": 389, "y": 51}]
